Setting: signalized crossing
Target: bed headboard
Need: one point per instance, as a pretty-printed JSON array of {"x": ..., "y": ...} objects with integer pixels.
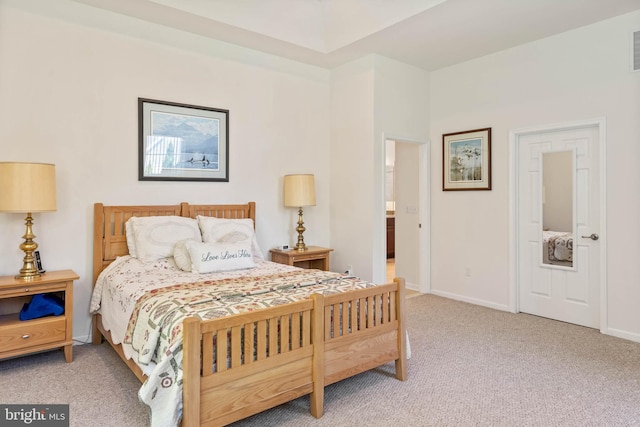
[{"x": 109, "y": 239}]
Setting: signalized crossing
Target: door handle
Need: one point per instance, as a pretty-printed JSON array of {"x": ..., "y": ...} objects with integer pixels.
[{"x": 592, "y": 236}]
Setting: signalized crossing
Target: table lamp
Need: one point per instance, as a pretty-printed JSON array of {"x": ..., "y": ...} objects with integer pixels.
[
  {"x": 299, "y": 191},
  {"x": 27, "y": 188}
]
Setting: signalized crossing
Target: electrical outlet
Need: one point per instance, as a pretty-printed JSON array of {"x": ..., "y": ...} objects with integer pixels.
[{"x": 349, "y": 271}]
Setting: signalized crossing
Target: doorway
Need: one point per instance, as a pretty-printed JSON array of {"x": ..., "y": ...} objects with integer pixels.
[
  {"x": 406, "y": 210},
  {"x": 559, "y": 222}
]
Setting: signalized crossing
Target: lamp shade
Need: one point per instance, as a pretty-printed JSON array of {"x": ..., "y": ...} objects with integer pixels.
[
  {"x": 27, "y": 187},
  {"x": 299, "y": 190}
]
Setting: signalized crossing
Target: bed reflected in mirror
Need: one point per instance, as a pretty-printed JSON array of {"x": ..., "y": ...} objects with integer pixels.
[{"x": 557, "y": 208}]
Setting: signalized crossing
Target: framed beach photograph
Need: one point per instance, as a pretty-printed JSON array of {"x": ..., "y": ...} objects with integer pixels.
[
  {"x": 466, "y": 160},
  {"x": 180, "y": 142}
]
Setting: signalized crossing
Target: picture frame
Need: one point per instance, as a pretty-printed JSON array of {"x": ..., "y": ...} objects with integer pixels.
[
  {"x": 182, "y": 142},
  {"x": 466, "y": 160}
]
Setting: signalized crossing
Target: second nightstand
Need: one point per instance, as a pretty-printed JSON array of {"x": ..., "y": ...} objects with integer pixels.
[{"x": 313, "y": 257}]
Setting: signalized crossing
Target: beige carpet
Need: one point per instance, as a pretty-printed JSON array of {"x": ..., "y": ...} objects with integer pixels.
[{"x": 471, "y": 366}]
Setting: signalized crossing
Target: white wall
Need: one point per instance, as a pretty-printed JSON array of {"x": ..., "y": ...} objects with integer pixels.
[
  {"x": 401, "y": 102},
  {"x": 372, "y": 99},
  {"x": 581, "y": 74},
  {"x": 352, "y": 115},
  {"x": 68, "y": 96}
]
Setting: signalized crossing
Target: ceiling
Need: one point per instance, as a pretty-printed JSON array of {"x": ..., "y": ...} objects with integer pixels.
[{"x": 430, "y": 34}]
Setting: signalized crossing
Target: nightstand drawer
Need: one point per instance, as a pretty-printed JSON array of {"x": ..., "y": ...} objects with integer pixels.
[
  {"x": 312, "y": 257},
  {"x": 29, "y": 333},
  {"x": 30, "y": 289},
  {"x": 304, "y": 257}
]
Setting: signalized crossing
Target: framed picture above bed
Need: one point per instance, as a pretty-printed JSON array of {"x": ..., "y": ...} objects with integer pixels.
[
  {"x": 181, "y": 142},
  {"x": 466, "y": 160}
]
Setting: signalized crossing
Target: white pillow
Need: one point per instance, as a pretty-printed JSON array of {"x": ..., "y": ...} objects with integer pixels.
[
  {"x": 131, "y": 239},
  {"x": 223, "y": 230},
  {"x": 181, "y": 256},
  {"x": 156, "y": 236},
  {"x": 214, "y": 257}
]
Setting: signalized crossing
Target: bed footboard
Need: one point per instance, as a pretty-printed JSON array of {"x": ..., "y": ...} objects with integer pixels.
[
  {"x": 243, "y": 364},
  {"x": 272, "y": 356},
  {"x": 364, "y": 329}
]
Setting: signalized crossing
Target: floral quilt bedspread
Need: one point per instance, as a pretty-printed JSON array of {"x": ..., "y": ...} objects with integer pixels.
[{"x": 153, "y": 335}]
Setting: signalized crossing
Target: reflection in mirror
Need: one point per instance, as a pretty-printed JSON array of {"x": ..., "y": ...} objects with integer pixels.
[{"x": 557, "y": 208}]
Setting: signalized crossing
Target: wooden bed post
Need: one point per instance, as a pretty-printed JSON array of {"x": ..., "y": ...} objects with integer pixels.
[
  {"x": 184, "y": 209},
  {"x": 317, "y": 395},
  {"x": 252, "y": 212},
  {"x": 191, "y": 373},
  {"x": 98, "y": 253},
  {"x": 401, "y": 362}
]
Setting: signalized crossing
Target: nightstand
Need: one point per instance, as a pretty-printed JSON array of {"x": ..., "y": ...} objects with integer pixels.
[
  {"x": 313, "y": 257},
  {"x": 18, "y": 337}
]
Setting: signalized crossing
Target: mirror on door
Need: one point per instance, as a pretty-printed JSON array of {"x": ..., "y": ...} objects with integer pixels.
[{"x": 557, "y": 208}]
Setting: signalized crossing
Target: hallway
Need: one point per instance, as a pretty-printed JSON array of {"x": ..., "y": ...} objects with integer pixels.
[{"x": 391, "y": 272}]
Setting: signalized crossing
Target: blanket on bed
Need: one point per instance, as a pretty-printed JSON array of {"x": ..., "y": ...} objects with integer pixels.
[
  {"x": 154, "y": 330},
  {"x": 560, "y": 246}
]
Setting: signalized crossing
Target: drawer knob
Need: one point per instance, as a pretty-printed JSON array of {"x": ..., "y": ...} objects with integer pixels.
[
  {"x": 26, "y": 289},
  {"x": 26, "y": 336}
]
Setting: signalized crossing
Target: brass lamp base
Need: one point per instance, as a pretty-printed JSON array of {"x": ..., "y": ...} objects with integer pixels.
[
  {"x": 28, "y": 270},
  {"x": 300, "y": 246}
]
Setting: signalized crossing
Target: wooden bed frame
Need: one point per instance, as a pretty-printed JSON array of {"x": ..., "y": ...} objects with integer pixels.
[{"x": 299, "y": 347}]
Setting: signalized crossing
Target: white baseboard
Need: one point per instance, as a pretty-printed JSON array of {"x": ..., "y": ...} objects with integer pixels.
[
  {"x": 631, "y": 336},
  {"x": 412, "y": 286},
  {"x": 475, "y": 301},
  {"x": 85, "y": 339}
]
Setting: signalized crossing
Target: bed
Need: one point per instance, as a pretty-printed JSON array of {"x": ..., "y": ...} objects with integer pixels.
[
  {"x": 253, "y": 358},
  {"x": 557, "y": 248}
]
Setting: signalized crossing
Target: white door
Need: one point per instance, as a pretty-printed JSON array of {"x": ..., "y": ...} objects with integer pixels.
[
  {"x": 407, "y": 214},
  {"x": 411, "y": 205},
  {"x": 556, "y": 279}
]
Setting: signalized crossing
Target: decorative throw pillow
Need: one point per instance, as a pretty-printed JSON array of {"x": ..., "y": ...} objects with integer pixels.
[
  {"x": 156, "y": 236},
  {"x": 181, "y": 256},
  {"x": 215, "y": 257},
  {"x": 223, "y": 230}
]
